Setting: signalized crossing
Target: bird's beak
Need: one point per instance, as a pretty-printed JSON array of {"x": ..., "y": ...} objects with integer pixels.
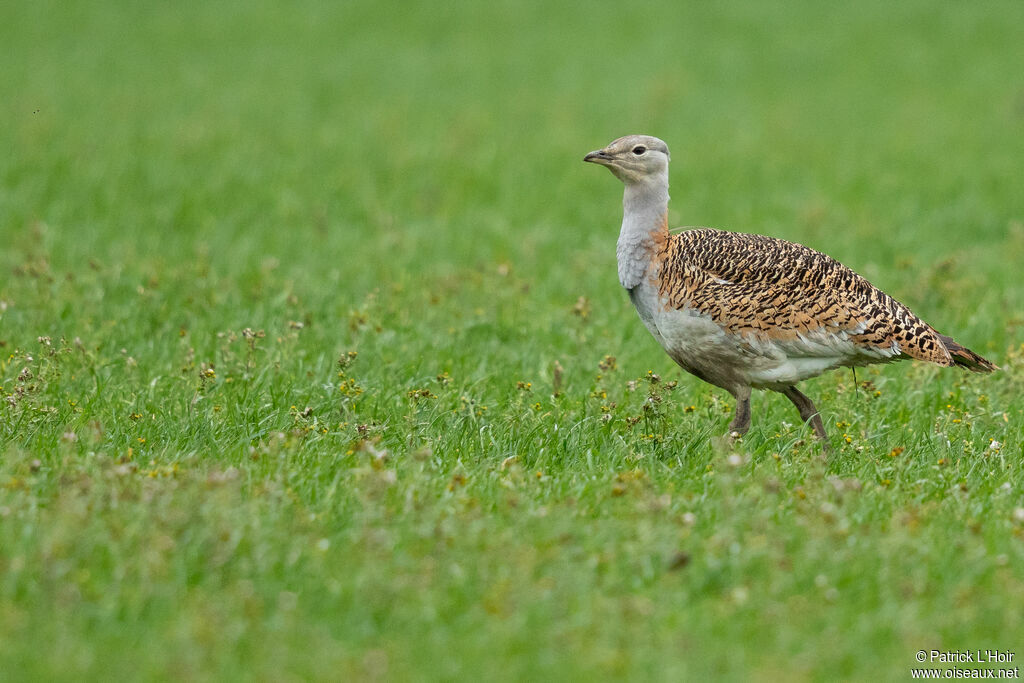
[{"x": 598, "y": 157}]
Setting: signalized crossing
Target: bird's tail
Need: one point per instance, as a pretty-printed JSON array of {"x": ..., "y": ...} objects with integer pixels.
[{"x": 966, "y": 358}]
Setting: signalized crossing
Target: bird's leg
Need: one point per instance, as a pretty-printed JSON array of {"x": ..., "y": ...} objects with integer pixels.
[
  {"x": 808, "y": 413},
  {"x": 741, "y": 420}
]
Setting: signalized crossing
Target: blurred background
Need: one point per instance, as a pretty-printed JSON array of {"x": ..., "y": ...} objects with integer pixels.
[
  {"x": 451, "y": 133},
  {"x": 425, "y": 159}
]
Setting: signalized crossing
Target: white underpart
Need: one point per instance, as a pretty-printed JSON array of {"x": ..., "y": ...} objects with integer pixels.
[
  {"x": 697, "y": 343},
  {"x": 731, "y": 361}
]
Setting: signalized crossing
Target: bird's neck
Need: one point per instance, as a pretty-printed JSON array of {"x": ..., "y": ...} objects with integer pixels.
[{"x": 644, "y": 229}]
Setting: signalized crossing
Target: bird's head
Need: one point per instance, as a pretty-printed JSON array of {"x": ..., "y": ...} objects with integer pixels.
[{"x": 634, "y": 159}]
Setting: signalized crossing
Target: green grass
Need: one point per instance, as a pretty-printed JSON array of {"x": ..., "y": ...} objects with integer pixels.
[{"x": 204, "y": 209}]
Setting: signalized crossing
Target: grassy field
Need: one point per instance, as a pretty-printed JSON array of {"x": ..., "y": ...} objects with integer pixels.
[{"x": 315, "y": 364}]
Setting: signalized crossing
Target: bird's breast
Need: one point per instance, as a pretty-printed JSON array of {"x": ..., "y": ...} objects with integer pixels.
[
  {"x": 700, "y": 345},
  {"x": 685, "y": 333}
]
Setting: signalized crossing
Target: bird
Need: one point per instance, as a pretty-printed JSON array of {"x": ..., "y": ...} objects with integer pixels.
[{"x": 746, "y": 311}]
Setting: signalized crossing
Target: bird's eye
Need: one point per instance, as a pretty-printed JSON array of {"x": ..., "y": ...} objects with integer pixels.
[{"x": 639, "y": 149}]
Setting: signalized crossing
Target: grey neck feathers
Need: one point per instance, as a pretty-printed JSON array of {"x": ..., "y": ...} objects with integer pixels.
[{"x": 644, "y": 213}]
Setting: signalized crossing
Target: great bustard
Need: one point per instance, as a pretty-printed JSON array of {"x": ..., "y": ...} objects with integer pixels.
[{"x": 748, "y": 311}]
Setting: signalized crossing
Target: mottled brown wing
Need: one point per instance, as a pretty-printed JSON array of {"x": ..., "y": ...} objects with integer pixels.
[{"x": 781, "y": 291}]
